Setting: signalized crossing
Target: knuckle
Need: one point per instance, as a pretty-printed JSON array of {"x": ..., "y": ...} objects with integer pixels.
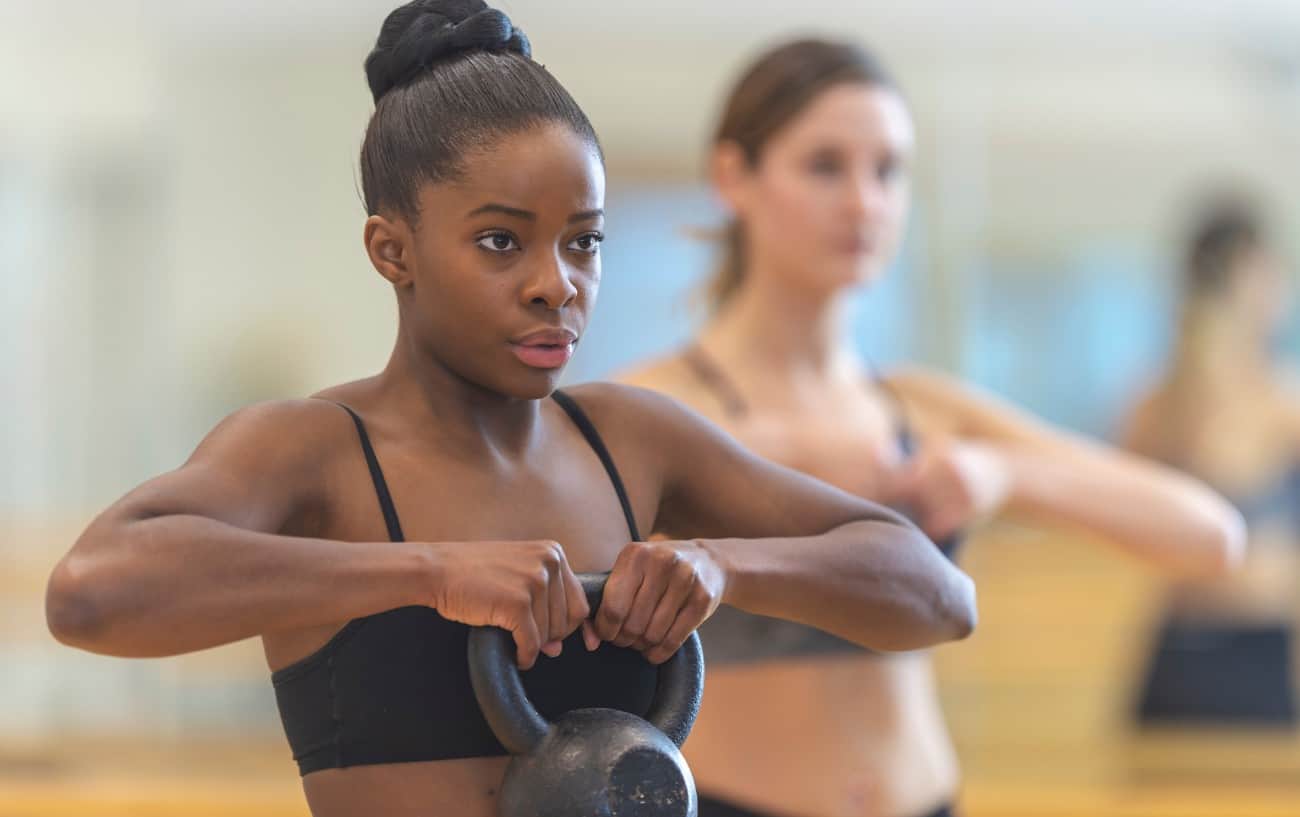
[{"x": 538, "y": 579}]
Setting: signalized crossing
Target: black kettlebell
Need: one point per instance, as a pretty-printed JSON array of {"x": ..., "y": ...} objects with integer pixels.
[{"x": 591, "y": 762}]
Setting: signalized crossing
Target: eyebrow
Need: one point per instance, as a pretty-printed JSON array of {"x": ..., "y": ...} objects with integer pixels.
[{"x": 528, "y": 215}]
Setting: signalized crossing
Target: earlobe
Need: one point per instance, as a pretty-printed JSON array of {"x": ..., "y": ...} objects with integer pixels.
[
  {"x": 729, "y": 170},
  {"x": 386, "y": 243}
]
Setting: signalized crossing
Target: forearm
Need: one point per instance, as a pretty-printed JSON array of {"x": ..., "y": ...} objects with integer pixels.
[
  {"x": 1154, "y": 512},
  {"x": 174, "y": 584},
  {"x": 878, "y": 584}
]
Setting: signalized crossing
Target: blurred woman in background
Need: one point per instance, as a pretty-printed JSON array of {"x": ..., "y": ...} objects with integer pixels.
[
  {"x": 811, "y": 159},
  {"x": 1224, "y": 412}
]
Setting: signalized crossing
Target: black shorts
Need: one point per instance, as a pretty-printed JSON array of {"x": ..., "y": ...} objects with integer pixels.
[
  {"x": 713, "y": 807},
  {"x": 1220, "y": 673}
]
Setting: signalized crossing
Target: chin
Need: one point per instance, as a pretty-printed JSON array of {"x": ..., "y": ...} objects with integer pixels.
[
  {"x": 534, "y": 384},
  {"x": 867, "y": 272}
]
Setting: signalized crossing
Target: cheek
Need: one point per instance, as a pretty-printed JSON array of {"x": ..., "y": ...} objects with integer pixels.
[
  {"x": 457, "y": 295},
  {"x": 894, "y": 214},
  {"x": 793, "y": 209}
]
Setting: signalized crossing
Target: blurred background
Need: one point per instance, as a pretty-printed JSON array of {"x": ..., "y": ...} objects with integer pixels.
[{"x": 180, "y": 236}]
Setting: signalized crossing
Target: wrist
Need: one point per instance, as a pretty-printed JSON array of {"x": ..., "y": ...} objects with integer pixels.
[
  {"x": 424, "y": 569},
  {"x": 721, "y": 553}
]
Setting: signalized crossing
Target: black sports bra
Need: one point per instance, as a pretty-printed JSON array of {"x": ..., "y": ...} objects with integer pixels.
[
  {"x": 394, "y": 687},
  {"x": 732, "y": 636}
]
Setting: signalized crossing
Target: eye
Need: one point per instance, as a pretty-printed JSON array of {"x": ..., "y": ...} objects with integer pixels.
[
  {"x": 498, "y": 242},
  {"x": 825, "y": 164},
  {"x": 588, "y": 243},
  {"x": 889, "y": 169}
]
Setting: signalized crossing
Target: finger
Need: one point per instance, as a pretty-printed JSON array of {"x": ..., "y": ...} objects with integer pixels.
[
  {"x": 688, "y": 619},
  {"x": 527, "y": 642},
  {"x": 589, "y": 637},
  {"x": 902, "y": 484},
  {"x": 674, "y": 599},
  {"x": 539, "y": 587},
  {"x": 647, "y": 598},
  {"x": 577, "y": 610},
  {"x": 558, "y": 604},
  {"x": 944, "y": 522},
  {"x": 620, "y": 589}
]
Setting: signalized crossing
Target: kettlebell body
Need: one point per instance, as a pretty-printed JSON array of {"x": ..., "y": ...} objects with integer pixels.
[
  {"x": 593, "y": 762},
  {"x": 602, "y": 763}
]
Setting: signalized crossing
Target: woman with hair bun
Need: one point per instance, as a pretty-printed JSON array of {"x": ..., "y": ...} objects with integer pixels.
[{"x": 361, "y": 532}]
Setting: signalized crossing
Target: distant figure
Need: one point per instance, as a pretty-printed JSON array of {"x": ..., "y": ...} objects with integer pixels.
[{"x": 1224, "y": 412}]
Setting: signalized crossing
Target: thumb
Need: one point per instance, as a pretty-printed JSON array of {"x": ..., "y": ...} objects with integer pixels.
[
  {"x": 589, "y": 637},
  {"x": 901, "y": 483}
]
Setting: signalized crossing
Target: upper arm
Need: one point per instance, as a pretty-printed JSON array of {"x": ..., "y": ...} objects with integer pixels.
[
  {"x": 971, "y": 412},
  {"x": 1137, "y": 430},
  {"x": 258, "y": 469},
  {"x": 713, "y": 487}
]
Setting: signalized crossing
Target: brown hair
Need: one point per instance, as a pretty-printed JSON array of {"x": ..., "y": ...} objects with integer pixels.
[
  {"x": 1226, "y": 229},
  {"x": 771, "y": 92}
]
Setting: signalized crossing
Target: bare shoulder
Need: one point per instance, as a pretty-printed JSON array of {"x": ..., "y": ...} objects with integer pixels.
[
  {"x": 963, "y": 408},
  {"x": 674, "y": 376},
  {"x": 1288, "y": 400},
  {"x": 280, "y": 433},
  {"x": 1142, "y": 419},
  {"x": 938, "y": 396},
  {"x": 669, "y": 373},
  {"x": 636, "y": 408}
]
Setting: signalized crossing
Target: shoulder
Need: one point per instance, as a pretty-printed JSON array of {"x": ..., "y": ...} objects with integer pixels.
[
  {"x": 638, "y": 409},
  {"x": 277, "y": 436},
  {"x": 678, "y": 377},
  {"x": 658, "y": 425},
  {"x": 939, "y": 396},
  {"x": 671, "y": 374},
  {"x": 962, "y": 408},
  {"x": 1142, "y": 422},
  {"x": 1288, "y": 397}
]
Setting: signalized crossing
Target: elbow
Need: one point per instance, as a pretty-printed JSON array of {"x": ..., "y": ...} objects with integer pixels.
[
  {"x": 946, "y": 613},
  {"x": 1223, "y": 543},
  {"x": 73, "y": 614},
  {"x": 959, "y": 611}
]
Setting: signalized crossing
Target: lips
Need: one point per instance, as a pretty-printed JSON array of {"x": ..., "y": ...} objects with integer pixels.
[
  {"x": 545, "y": 348},
  {"x": 856, "y": 246}
]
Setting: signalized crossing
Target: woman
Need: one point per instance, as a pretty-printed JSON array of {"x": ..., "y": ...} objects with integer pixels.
[
  {"x": 1223, "y": 411},
  {"x": 484, "y": 185},
  {"x": 811, "y": 159}
]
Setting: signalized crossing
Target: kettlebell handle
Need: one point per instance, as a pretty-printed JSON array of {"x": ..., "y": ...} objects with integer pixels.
[{"x": 499, "y": 688}]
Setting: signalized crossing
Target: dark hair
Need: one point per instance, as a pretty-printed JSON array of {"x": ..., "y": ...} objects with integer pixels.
[
  {"x": 448, "y": 76},
  {"x": 771, "y": 92},
  {"x": 1225, "y": 230}
]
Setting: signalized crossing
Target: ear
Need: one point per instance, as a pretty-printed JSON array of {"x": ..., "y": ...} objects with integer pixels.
[
  {"x": 389, "y": 243},
  {"x": 731, "y": 174}
]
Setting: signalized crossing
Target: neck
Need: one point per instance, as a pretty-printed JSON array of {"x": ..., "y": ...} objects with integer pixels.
[
  {"x": 782, "y": 331},
  {"x": 458, "y": 414},
  {"x": 1216, "y": 351}
]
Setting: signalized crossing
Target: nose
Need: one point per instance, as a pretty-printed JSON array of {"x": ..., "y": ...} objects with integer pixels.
[
  {"x": 866, "y": 197},
  {"x": 549, "y": 284}
]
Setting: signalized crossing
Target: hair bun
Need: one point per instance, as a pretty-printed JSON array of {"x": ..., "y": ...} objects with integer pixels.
[{"x": 422, "y": 32}]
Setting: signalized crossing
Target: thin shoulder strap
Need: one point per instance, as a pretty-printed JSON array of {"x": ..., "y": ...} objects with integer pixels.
[
  {"x": 902, "y": 424},
  {"x": 708, "y": 371},
  {"x": 584, "y": 424},
  {"x": 377, "y": 476}
]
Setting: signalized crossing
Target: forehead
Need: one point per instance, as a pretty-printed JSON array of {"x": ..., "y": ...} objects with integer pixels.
[
  {"x": 852, "y": 116},
  {"x": 546, "y": 168}
]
